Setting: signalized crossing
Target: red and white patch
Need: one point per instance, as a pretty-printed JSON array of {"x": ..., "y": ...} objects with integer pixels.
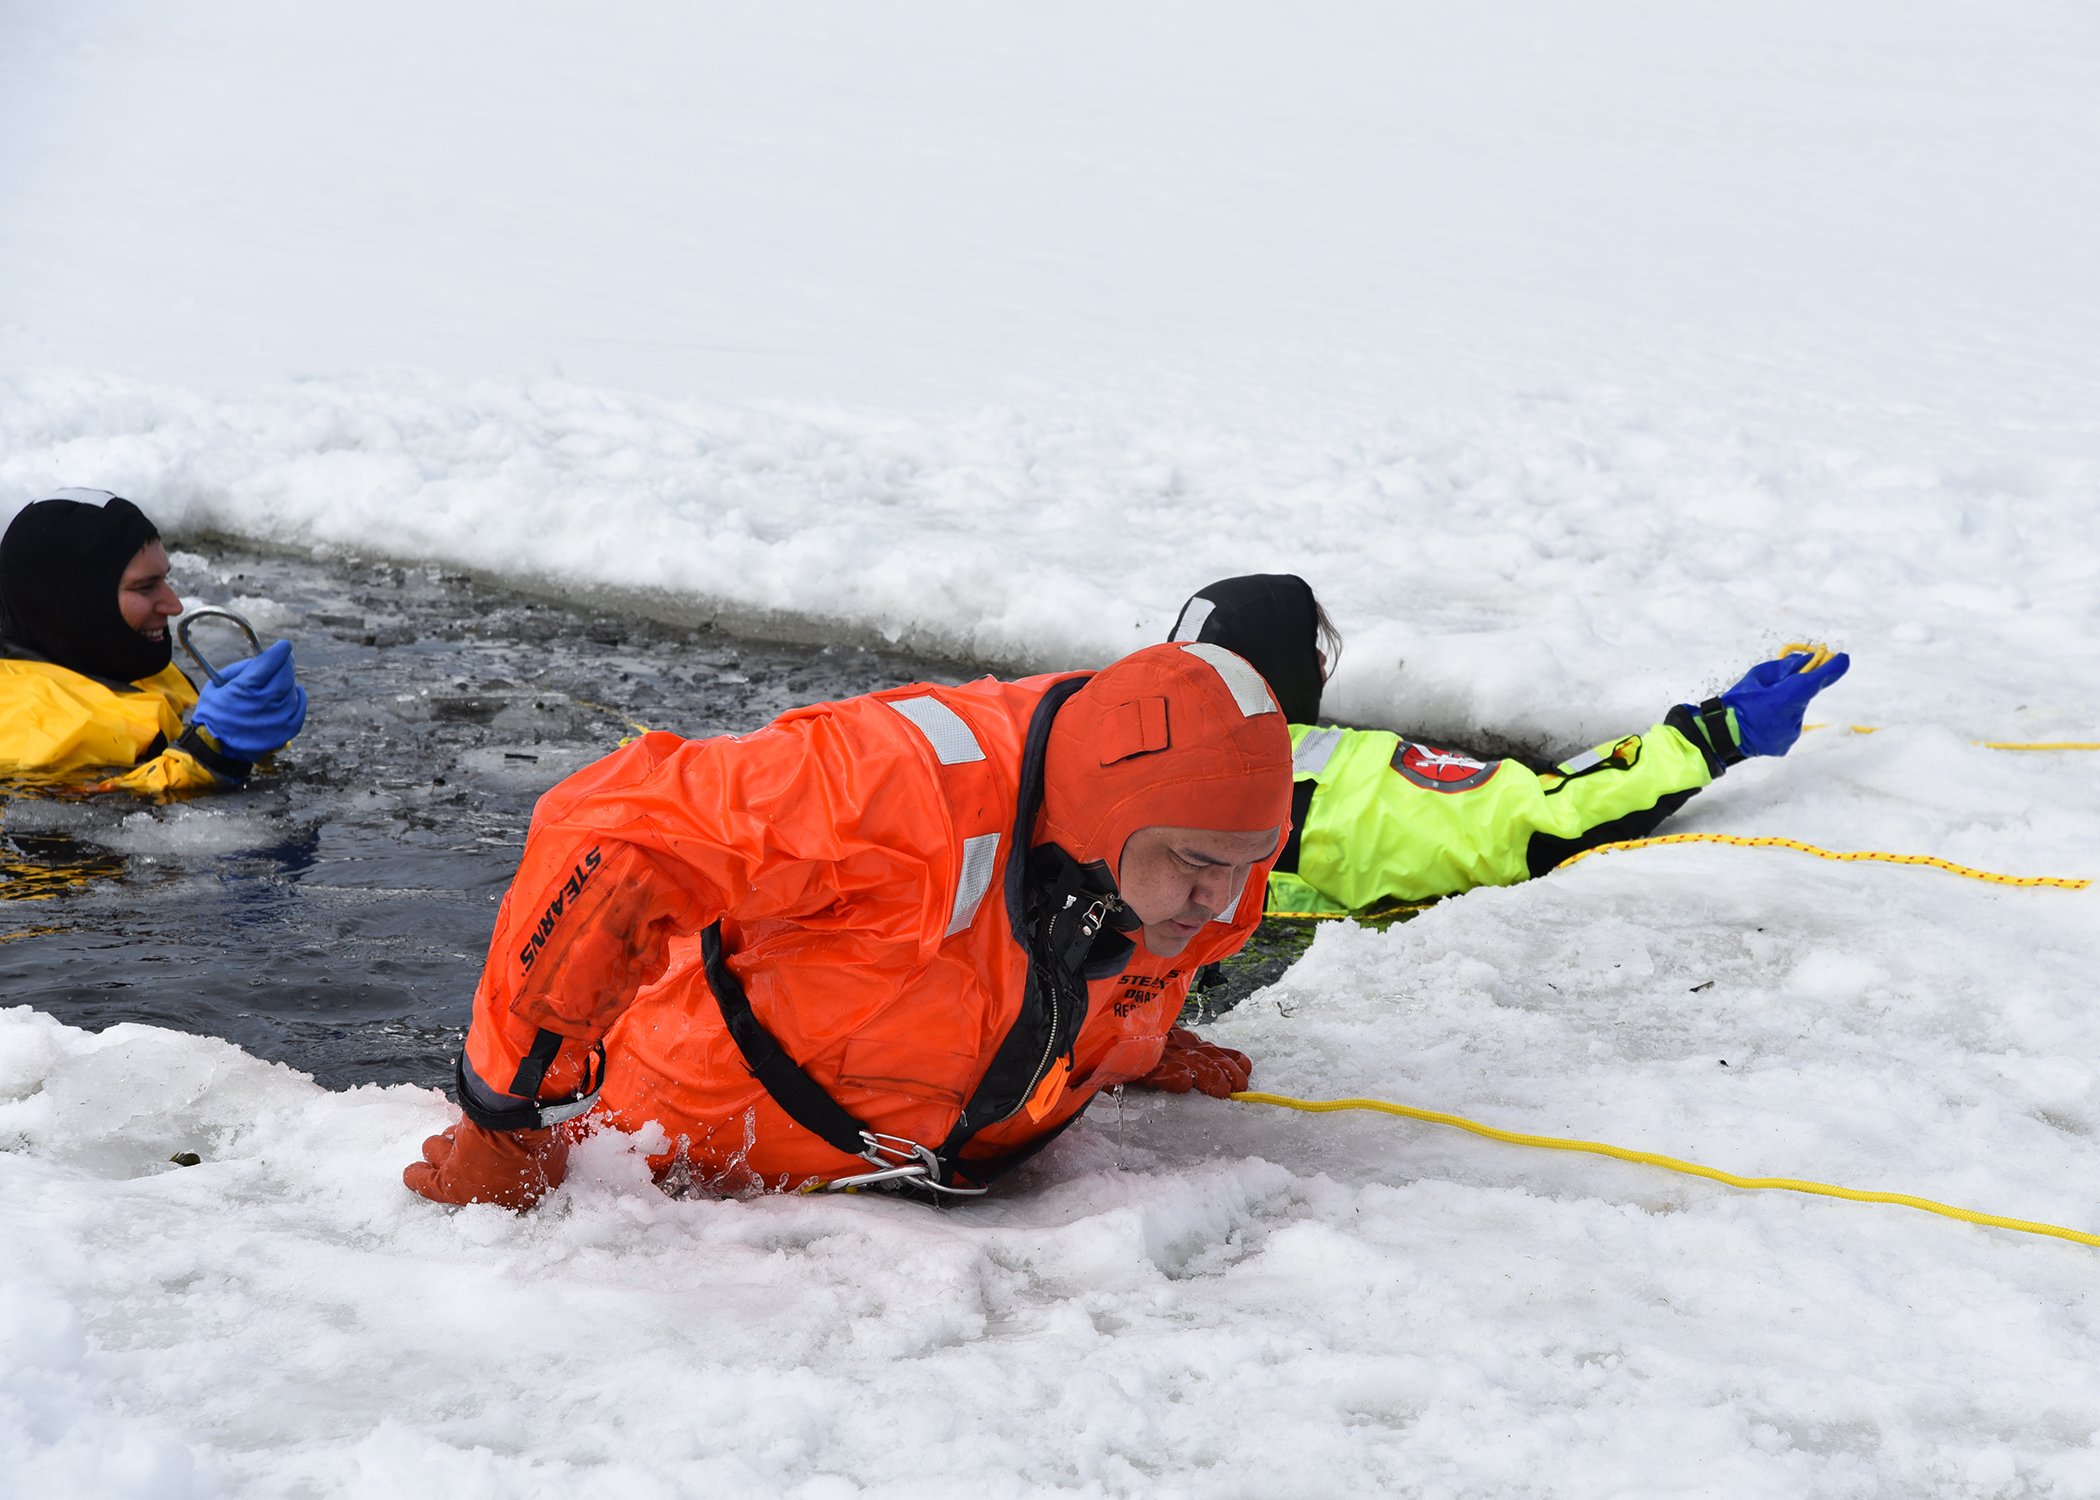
[{"x": 1442, "y": 770}]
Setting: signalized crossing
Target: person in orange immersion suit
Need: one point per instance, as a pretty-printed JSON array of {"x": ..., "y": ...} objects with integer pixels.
[{"x": 904, "y": 938}]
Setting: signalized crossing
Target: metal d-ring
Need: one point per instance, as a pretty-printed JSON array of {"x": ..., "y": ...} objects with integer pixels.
[
  {"x": 208, "y": 612},
  {"x": 919, "y": 1167}
]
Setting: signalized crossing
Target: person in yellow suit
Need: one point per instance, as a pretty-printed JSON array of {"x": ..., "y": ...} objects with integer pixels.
[
  {"x": 1380, "y": 819},
  {"x": 90, "y": 697}
]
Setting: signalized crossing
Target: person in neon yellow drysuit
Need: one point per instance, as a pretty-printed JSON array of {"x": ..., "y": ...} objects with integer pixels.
[
  {"x": 1381, "y": 820},
  {"x": 90, "y": 697}
]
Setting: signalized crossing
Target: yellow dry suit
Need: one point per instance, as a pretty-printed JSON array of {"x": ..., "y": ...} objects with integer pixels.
[
  {"x": 87, "y": 700},
  {"x": 59, "y": 727}
]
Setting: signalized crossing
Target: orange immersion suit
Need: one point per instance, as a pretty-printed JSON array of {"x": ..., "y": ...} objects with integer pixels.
[{"x": 865, "y": 862}]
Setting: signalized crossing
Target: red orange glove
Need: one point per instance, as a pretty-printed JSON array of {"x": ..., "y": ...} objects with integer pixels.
[
  {"x": 468, "y": 1164},
  {"x": 1192, "y": 1063}
]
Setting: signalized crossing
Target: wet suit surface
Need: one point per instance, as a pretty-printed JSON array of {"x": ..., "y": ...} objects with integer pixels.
[{"x": 335, "y": 914}]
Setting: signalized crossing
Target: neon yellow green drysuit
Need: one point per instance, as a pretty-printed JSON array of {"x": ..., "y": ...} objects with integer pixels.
[{"x": 1383, "y": 820}]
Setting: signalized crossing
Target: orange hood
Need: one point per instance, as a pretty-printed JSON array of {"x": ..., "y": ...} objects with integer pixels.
[{"x": 1183, "y": 735}]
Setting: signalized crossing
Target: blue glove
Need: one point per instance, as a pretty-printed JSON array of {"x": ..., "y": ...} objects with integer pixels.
[
  {"x": 1761, "y": 715},
  {"x": 255, "y": 706}
]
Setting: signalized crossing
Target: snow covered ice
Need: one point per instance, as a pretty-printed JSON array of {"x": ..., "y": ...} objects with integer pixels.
[{"x": 1577, "y": 356}]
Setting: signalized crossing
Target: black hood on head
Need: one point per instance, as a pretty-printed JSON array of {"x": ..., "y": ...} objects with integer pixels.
[
  {"x": 1271, "y": 620},
  {"x": 60, "y": 564}
]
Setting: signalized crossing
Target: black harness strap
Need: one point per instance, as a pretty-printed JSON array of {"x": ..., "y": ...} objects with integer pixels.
[
  {"x": 806, "y": 1102},
  {"x": 811, "y": 1107},
  {"x": 982, "y": 1169}
]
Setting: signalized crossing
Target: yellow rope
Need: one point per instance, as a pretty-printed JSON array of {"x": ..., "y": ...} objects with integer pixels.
[
  {"x": 639, "y": 729},
  {"x": 1671, "y": 1163},
  {"x": 1778, "y": 843},
  {"x": 1989, "y": 744},
  {"x": 1373, "y": 914}
]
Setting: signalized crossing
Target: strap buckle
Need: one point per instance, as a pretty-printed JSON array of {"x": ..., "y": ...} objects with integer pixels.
[{"x": 900, "y": 1160}]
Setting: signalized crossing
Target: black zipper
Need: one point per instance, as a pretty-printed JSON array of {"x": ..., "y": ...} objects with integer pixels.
[{"x": 1090, "y": 922}]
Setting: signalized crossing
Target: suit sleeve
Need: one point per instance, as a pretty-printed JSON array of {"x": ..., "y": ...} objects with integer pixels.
[
  {"x": 1382, "y": 826},
  {"x": 1619, "y": 791},
  {"x": 178, "y": 770}
]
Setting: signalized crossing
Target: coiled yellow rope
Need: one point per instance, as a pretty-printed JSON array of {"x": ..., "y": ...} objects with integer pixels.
[
  {"x": 1670, "y": 1163},
  {"x": 1965, "y": 871}
]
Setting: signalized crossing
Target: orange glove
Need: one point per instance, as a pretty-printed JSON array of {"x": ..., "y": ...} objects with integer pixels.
[
  {"x": 1192, "y": 1063},
  {"x": 468, "y": 1164}
]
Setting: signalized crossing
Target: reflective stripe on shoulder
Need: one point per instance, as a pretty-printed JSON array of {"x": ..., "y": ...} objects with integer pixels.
[
  {"x": 1314, "y": 751},
  {"x": 1190, "y": 626},
  {"x": 980, "y": 857},
  {"x": 952, "y": 742},
  {"x": 1581, "y": 763},
  {"x": 1248, "y": 689}
]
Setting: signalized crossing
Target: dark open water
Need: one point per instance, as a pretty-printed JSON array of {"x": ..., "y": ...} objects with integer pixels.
[{"x": 335, "y": 914}]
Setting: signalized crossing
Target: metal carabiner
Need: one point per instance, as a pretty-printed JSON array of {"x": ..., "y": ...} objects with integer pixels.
[
  {"x": 910, "y": 1171},
  {"x": 209, "y": 612},
  {"x": 896, "y": 1158},
  {"x": 884, "y": 1152}
]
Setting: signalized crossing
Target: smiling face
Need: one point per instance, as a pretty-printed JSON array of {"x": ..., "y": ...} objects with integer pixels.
[
  {"x": 1177, "y": 879},
  {"x": 144, "y": 595}
]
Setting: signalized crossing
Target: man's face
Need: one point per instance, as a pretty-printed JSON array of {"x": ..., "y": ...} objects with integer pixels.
[
  {"x": 143, "y": 593},
  {"x": 1177, "y": 879}
]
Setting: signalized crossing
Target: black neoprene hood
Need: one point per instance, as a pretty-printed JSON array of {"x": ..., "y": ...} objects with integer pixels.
[
  {"x": 1271, "y": 620},
  {"x": 60, "y": 564}
]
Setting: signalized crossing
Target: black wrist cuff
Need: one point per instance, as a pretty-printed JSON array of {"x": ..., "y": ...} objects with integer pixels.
[
  {"x": 228, "y": 769},
  {"x": 1713, "y": 716},
  {"x": 1687, "y": 721},
  {"x": 539, "y": 1113}
]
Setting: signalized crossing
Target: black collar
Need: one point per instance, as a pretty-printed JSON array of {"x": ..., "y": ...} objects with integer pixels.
[{"x": 1034, "y": 872}]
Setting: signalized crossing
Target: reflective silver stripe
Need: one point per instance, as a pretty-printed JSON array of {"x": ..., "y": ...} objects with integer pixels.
[
  {"x": 1231, "y": 906},
  {"x": 1314, "y": 751},
  {"x": 952, "y": 742},
  {"x": 554, "y": 1114},
  {"x": 1581, "y": 763},
  {"x": 980, "y": 854},
  {"x": 1190, "y": 625},
  {"x": 954, "y": 745},
  {"x": 1248, "y": 689}
]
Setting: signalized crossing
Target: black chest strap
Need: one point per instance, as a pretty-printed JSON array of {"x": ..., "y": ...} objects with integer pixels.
[{"x": 804, "y": 1099}]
